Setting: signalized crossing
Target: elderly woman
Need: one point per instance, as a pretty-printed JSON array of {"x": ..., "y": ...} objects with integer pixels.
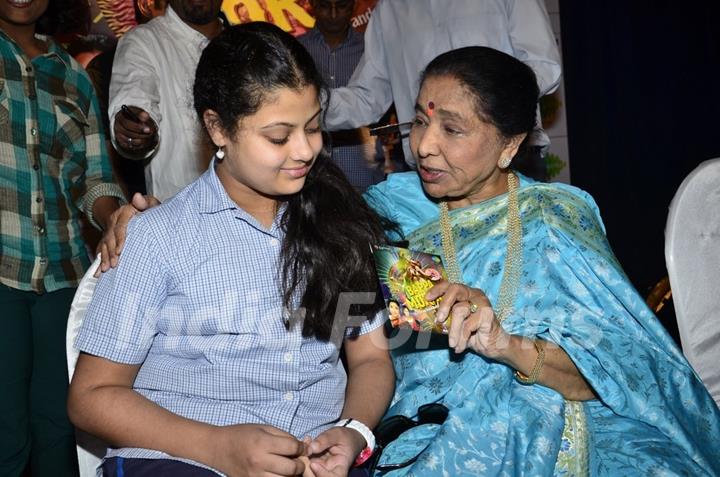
[{"x": 553, "y": 365}]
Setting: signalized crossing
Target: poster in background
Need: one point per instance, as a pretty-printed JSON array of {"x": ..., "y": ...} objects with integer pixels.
[{"x": 115, "y": 17}]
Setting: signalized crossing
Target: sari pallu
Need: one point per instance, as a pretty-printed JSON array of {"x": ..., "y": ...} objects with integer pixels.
[{"x": 652, "y": 416}]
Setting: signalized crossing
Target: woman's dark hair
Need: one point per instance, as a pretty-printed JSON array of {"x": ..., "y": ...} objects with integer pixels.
[
  {"x": 504, "y": 89},
  {"x": 64, "y": 17},
  {"x": 328, "y": 226}
]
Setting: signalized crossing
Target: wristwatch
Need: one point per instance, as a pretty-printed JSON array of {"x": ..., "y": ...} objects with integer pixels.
[{"x": 365, "y": 431}]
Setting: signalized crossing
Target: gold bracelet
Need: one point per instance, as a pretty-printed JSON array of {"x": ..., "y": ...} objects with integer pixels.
[{"x": 537, "y": 367}]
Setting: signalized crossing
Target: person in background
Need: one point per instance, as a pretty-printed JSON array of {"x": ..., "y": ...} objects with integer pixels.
[
  {"x": 214, "y": 346},
  {"x": 404, "y": 35},
  {"x": 152, "y": 75},
  {"x": 337, "y": 48},
  {"x": 54, "y": 169},
  {"x": 553, "y": 365},
  {"x": 130, "y": 174}
]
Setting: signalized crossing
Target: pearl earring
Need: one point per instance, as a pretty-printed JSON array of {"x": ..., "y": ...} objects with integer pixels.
[{"x": 220, "y": 153}]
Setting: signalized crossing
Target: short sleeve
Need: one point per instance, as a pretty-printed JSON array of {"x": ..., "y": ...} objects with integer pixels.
[{"x": 120, "y": 324}]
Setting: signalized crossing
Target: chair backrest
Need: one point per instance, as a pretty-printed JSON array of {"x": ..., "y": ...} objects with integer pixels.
[
  {"x": 692, "y": 255},
  {"x": 89, "y": 448}
]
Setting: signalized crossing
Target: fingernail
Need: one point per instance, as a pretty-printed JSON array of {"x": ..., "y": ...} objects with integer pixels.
[{"x": 146, "y": 130}]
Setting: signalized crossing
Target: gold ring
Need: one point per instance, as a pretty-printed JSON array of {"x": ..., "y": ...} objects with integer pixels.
[{"x": 473, "y": 307}]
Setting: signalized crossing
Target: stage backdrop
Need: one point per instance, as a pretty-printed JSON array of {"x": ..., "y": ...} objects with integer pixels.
[{"x": 112, "y": 18}]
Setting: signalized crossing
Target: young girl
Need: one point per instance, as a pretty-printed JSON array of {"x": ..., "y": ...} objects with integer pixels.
[
  {"x": 209, "y": 348},
  {"x": 53, "y": 169}
]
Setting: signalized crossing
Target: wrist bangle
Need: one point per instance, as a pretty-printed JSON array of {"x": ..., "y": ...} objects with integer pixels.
[
  {"x": 537, "y": 367},
  {"x": 366, "y": 433}
]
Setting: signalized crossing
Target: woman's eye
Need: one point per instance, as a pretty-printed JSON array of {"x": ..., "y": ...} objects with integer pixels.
[
  {"x": 418, "y": 122},
  {"x": 452, "y": 131}
]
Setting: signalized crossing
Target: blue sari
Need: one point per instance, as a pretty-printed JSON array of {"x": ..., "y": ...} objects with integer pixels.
[{"x": 653, "y": 416}]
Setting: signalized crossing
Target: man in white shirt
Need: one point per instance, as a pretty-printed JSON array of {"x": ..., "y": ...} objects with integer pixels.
[
  {"x": 153, "y": 74},
  {"x": 403, "y": 36}
]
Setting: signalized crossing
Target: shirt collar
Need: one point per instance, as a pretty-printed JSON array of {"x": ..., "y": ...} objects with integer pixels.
[
  {"x": 176, "y": 22},
  {"x": 318, "y": 36},
  {"x": 213, "y": 198},
  {"x": 54, "y": 51}
]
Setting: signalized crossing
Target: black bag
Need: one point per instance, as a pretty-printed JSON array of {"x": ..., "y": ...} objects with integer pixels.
[{"x": 391, "y": 427}]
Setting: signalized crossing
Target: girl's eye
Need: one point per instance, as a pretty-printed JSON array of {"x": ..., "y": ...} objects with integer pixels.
[
  {"x": 278, "y": 141},
  {"x": 313, "y": 130}
]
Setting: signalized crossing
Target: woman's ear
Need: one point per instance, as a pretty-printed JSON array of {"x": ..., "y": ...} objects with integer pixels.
[
  {"x": 214, "y": 127},
  {"x": 510, "y": 149}
]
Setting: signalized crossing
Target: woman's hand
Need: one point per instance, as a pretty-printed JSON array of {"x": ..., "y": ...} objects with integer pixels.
[
  {"x": 245, "y": 450},
  {"x": 473, "y": 323},
  {"x": 113, "y": 239}
]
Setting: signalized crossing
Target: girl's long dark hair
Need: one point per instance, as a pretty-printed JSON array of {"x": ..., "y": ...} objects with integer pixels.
[{"x": 328, "y": 226}]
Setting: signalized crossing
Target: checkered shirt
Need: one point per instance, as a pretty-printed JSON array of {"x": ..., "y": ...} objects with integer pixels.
[
  {"x": 196, "y": 300},
  {"x": 53, "y": 165}
]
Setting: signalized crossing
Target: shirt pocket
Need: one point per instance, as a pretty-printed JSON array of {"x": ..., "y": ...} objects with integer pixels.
[{"x": 69, "y": 139}]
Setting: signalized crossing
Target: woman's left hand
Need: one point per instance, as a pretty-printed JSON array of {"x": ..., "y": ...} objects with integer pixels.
[{"x": 473, "y": 323}]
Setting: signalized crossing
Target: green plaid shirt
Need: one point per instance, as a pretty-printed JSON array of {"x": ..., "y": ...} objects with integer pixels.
[{"x": 53, "y": 165}]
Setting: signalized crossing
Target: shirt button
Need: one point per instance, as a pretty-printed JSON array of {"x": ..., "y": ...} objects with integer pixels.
[
  {"x": 43, "y": 260},
  {"x": 29, "y": 69},
  {"x": 36, "y": 166},
  {"x": 33, "y": 131},
  {"x": 38, "y": 199},
  {"x": 274, "y": 242},
  {"x": 288, "y": 396},
  {"x": 288, "y": 357},
  {"x": 41, "y": 230}
]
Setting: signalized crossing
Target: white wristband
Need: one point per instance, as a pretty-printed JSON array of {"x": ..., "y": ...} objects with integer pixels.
[{"x": 361, "y": 428}]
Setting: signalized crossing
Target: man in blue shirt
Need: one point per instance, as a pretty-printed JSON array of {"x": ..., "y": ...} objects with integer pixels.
[{"x": 337, "y": 48}]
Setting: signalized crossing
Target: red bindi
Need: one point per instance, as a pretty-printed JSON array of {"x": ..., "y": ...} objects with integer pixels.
[{"x": 431, "y": 107}]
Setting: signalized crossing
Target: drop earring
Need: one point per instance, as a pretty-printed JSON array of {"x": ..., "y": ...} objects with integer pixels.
[
  {"x": 220, "y": 153},
  {"x": 504, "y": 162}
]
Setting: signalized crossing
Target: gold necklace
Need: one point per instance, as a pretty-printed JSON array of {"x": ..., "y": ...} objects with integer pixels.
[{"x": 513, "y": 256}]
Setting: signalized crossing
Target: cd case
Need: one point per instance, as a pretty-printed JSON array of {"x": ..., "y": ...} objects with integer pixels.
[{"x": 405, "y": 277}]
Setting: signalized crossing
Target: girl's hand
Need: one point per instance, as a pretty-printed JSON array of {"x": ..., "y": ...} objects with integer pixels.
[
  {"x": 333, "y": 452},
  {"x": 245, "y": 450}
]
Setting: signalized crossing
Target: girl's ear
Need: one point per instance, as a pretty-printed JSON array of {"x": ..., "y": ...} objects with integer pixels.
[{"x": 214, "y": 127}]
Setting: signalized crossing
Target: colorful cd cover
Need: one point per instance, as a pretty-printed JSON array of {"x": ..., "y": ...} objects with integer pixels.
[{"x": 405, "y": 277}]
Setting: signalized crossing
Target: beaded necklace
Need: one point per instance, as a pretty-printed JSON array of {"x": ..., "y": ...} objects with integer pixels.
[{"x": 513, "y": 256}]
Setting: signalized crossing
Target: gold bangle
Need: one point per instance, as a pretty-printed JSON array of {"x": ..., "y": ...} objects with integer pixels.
[{"x": 537, "y": 367}]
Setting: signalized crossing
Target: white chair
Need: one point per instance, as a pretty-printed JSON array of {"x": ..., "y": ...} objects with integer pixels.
[
  {"x": 89, "y": 448},
  {"x": 692, "y": 255}
]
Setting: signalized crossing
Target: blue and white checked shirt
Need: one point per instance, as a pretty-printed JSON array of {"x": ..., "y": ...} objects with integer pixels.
[
  {"x": 354, "y": 151},
  {"x": 196, "y": 299}
]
